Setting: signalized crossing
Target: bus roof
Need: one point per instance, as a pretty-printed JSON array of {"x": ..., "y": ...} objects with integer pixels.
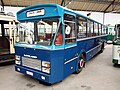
[
  {"x": 7, "y": 18},
  {"x": 58, "y": 6}
]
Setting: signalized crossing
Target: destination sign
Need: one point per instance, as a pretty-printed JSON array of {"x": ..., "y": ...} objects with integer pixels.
[{"x": 35, "y": 13}]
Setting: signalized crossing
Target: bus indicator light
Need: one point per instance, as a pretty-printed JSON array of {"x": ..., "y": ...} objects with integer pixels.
[
  {"x": 18, "y": 69},
  {"x": 118, "y": 51},
  {"x": 45, "y": 64},
  {"x": 42, "y": 77}
]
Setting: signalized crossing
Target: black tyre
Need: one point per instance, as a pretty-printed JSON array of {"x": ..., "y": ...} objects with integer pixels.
[
  {"x": 81, "y": 64},
  {"x": 116, "y": 65},
  {"x": 102, "y": 48},
  {"x": 44, "y": 83}
]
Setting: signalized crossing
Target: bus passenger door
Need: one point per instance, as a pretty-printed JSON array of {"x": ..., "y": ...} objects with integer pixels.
[
  {"x": 70, "y": 46},
  {"x": 11, "y": 36},
  {"x": 70, "y": 58}
]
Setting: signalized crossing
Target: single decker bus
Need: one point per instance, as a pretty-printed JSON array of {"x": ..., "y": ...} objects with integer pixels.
[
  {"x": 55, "y": 42},
  {"x": 116, "y": 46},
  {"x": 111, "y": 34},
  {"x": 8, "y": 26}
]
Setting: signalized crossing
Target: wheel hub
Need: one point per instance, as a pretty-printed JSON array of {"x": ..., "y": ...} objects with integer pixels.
[{"x": 81, "y": 63}]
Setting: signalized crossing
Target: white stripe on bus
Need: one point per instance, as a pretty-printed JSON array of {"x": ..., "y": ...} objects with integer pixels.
[
  {"x": 71, "y": 60},
  {"x": 93, "y": 48}
]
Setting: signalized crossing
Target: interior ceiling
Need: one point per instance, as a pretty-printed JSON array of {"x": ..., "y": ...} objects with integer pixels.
[{"x": 106, "y": 6}]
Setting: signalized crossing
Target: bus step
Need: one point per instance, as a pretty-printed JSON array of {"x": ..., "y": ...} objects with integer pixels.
[{"x": 7, "y": 60}]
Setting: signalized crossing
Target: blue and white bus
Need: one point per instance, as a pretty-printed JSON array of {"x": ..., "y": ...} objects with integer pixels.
[{"x": 55, "y": 41}]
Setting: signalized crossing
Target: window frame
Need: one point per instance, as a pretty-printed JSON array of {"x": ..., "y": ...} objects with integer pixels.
[
  {"x": 89, "y": 28},
  {"x": 84, "y": 20},
  {"x": 69, "y": 39},
  {"x": 96, "y": 28}
]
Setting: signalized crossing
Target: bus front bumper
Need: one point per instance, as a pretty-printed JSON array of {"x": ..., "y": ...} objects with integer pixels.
[{"x": 36, "y": 74}]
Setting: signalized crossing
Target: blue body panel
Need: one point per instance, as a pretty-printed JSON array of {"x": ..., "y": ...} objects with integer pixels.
[
  {"x": 55, "y": 57},
  {"x": 70, "y": 67}
]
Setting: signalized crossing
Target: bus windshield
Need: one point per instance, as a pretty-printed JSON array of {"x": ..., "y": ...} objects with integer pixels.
[
  {"x": 40, "y": 32},
  {"x": 46, "y": 31}
]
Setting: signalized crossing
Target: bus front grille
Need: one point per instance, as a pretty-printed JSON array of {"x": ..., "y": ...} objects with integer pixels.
[{"x": 31, "y": 63}]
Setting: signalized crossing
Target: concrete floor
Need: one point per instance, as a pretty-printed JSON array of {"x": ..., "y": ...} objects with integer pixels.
[{"x": 99, "y": 74}]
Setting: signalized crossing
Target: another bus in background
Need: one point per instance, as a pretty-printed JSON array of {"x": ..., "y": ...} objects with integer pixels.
[
  {"x": 116, "y": 46},
  {"x": 111, "y": 33},
  {"x": 7, "y": 37}
]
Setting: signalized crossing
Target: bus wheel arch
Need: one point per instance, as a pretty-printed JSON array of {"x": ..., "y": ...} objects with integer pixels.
[{"x": 81, "y": 63}]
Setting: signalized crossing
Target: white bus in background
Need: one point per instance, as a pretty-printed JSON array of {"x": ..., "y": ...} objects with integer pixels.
[
  {"x": 7, "y": 37},
  {"x": 116, "y": 46}
]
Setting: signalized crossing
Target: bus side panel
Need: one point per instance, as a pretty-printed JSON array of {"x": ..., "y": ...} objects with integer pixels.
[
  {"x": 86, "y": 45},
  {"x": 57, "y": 60},
  {"x": 96, "y": 47},
  {"x": 70, "y": 60},
  {"x": 91, "y": 46},
  {"x": 81, "y": 46}
]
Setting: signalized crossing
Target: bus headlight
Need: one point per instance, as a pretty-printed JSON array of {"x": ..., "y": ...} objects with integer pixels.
[
  {"x": 17, "y": 59},
  {"x": 46, "y": 70},
  {"x": 45, "y": 66},
  {"x": 118, "y": 51}
]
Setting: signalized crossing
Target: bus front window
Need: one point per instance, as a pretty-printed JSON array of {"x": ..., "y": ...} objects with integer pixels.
[
  {"x": 40, "y": 32},
  {"x": 25, "y": 33},
  {"x": 46, "y": 31}
]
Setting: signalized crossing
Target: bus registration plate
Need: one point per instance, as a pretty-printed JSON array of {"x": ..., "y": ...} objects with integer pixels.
[{"x": 29, "y": 73}]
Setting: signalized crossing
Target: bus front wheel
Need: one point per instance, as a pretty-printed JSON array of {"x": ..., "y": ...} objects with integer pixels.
[{"x": 81, "y": 64}]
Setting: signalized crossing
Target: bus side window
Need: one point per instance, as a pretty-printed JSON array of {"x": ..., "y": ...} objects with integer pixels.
[
  {"x": 69, "y": 25},
  {"x": 81, "y": 27},
  {"x": 92, "y": 28},
  {"x": 100, "y": 30},
  {"x": 89, "y": 29},
  {"x": 95, "y": 29}
]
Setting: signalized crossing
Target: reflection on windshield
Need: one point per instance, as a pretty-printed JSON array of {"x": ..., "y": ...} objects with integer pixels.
[
  {"x": 39, "y": 32},
  {"x": 46, "y": 31},
  {"x": 25, "y": 33}
]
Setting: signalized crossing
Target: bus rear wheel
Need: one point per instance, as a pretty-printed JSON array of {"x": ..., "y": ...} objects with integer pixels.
[
  {"x": 81, "y": 64},
  {"x": 102, "y": 48}
]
